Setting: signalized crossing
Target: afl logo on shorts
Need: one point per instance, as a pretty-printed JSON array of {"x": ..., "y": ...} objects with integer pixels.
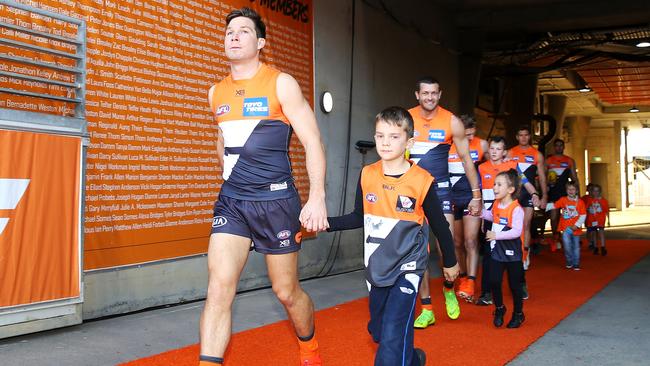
[
  {"x": 371, "y": 197},
  {"x": 219, "y": 221},
  {"x": 223, "y": 109},
  {"x": 284, "y": 234}
]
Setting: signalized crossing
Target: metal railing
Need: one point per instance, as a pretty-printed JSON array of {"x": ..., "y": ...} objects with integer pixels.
[{"x": 76, "y": 90}]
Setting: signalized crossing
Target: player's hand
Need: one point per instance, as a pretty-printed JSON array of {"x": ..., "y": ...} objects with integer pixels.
[
  {"x": 491, "y": 235},
  {"x": 475, "y": 206},
  {"x": 543, "y": 202},
  {"x": 451, "y": 273},
  {"x": 313, "y": 216},
  {"x": 537, "y": 202}
]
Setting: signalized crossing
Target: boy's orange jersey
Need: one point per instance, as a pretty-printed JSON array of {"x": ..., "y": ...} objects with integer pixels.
[
  {"x": 395, "y": 230},
  {"x": 570, "y": 211}
]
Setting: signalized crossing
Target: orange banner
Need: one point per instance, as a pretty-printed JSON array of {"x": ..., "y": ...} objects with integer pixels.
[
  {"x": 152, "y": 176},
  {"x": 39, "y": 217}
]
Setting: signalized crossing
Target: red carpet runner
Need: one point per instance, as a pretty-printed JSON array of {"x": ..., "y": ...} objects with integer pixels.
[{"x": 554, "y": 293}]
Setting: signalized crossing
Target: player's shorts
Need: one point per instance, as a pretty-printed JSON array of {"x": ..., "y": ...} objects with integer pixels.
[
  {"x": 593, "y": 229},
  {"x": 443, "y": 191},
  {"x": 273, "y": 226},
  {"x": 460, "y": 201},
  {"x": 525, "y": 198}
]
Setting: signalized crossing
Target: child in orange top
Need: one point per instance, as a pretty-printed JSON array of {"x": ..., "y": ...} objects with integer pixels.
[
  {"x": 572, "y": 216},
  {"x": 597, "y": 212}
]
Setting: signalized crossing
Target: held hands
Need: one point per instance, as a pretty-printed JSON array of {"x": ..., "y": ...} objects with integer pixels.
[
  {"x": 491, "y": 235},
  {"x": 451, "y": 273},
  {"x": 313, "y": 216},
  {"x": 537, "y": 202},
  {"x": 475, "y": 206},
  {"x": 543, "y": 202}
]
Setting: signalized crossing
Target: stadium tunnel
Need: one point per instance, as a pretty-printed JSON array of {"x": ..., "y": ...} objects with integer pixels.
[{"x": 576, "y": 70}]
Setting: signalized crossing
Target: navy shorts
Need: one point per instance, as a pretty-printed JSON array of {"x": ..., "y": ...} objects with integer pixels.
[
  {"x": 273, "y": 226},
  {"x": 525, "y": 198},
  {"x": 593, "y": 229},
  {"x": 443, "y": 191},
  {"x": 460, "y": 201}
]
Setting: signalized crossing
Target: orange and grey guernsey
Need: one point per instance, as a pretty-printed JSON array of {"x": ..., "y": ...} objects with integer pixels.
[
  {"x": 559, "y": 168},
  {"x": 526, "y": 158},
  {"x": 395, "y": 229},
  {"x": 256, "y": 136},
  {"x": 509, "y": 250},
  {"x": 433, "y": 139},
  {"x": 456, "y": 167}
]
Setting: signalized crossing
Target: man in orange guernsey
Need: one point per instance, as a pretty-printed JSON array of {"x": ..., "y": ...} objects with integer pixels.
[
  {"x": 560, "y": 170},
  {"x": 435, "y": 130},
  {"x": 257, "y": 108},
  {"x": 466, "y": 227},
  {"x": 488, "y": 172},
  {"x": 394, "y": 201}
]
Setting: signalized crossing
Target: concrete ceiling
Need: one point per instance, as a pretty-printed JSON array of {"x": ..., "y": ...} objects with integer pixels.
[{"x": 568, "y": 43}]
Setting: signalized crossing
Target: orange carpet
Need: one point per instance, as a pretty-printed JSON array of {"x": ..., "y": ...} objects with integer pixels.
[{"x": 554, "y": 293}]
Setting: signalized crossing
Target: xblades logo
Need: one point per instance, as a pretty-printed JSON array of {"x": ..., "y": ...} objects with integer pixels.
[{"x": 11, "y": 191}]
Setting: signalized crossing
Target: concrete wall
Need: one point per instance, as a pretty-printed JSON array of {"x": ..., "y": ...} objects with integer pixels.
[
  {"x": 390, "y": 53},
  {"x": 605, "y": 143}
]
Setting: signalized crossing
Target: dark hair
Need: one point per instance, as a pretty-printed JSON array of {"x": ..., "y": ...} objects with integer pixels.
[
  {"x": 468, "y": 121},
  {"x": 426, "y": 80},
  {"x": 512, "y": 177},
  {"x": 246, "y": 12},
  {"x": 573, "y": 184},
  {"x": 600, "y": 189},
  {"x": 558, "y": 140},
  {"x": 397, "y": 116},
  {"x": 523, "y": 128},
  {"x": 498, "y": 139}
]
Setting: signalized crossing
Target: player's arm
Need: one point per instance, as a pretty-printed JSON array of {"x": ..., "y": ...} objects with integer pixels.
[
  {"x": 220, "y": 147},
  {"x": 541, "y": 173},
  {"x": 303, "y": 121},
  {"x": 462, "y": 147},
  {"x": 352, "y": 220},
  {"x": 485, "y": 147}
]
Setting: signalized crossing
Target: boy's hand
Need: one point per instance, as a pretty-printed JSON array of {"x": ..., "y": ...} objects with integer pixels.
[
  {"x": 574, "y": 228},
  {"x": 491, "y": 235},
  {"x": 451, "y": 273}
]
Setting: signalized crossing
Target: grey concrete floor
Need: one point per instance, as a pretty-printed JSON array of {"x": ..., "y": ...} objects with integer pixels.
[{"x": 613, "y": 328}]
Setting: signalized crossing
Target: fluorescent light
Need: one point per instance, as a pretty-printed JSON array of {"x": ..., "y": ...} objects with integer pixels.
[
  {"x": 643, "y": 44},
  {"x": 634, "y": 109}
]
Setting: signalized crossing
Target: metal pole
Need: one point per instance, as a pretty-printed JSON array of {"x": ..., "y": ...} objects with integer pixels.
[{"x": 627, "y": 182}]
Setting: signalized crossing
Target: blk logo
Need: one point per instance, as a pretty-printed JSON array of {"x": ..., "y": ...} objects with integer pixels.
[{"x": 11, "y": 191}]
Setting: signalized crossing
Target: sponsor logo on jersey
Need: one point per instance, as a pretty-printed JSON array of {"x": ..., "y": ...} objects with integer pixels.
[
  {"x": 256, "y": 107},
  {"x": 410, "y": 266},
  {"x": 371, "y": 197},
  {"x": 240, "y": 92},
  {"x": 11, "y": 191},
  {"x": 510, "y": 252},
  {"x": 388, "y": 187},
  {"x": 278, "y": 186},
  {"x": 503, "y": 220},
  {"x": 487, "y": 176},
  {"x": 437, "y": 135},
  {"x": 530, "y": 159},
  {"x": 284, "y": 234},
  {"x": 223, "y": 109},
  {"x": 405, "y": 204},
  {"x": 219, "y": 221},
  {"x": 564, "y": 165},
  {"x": 474, "y": 155},
  {"x": 453, "y": 156}
]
